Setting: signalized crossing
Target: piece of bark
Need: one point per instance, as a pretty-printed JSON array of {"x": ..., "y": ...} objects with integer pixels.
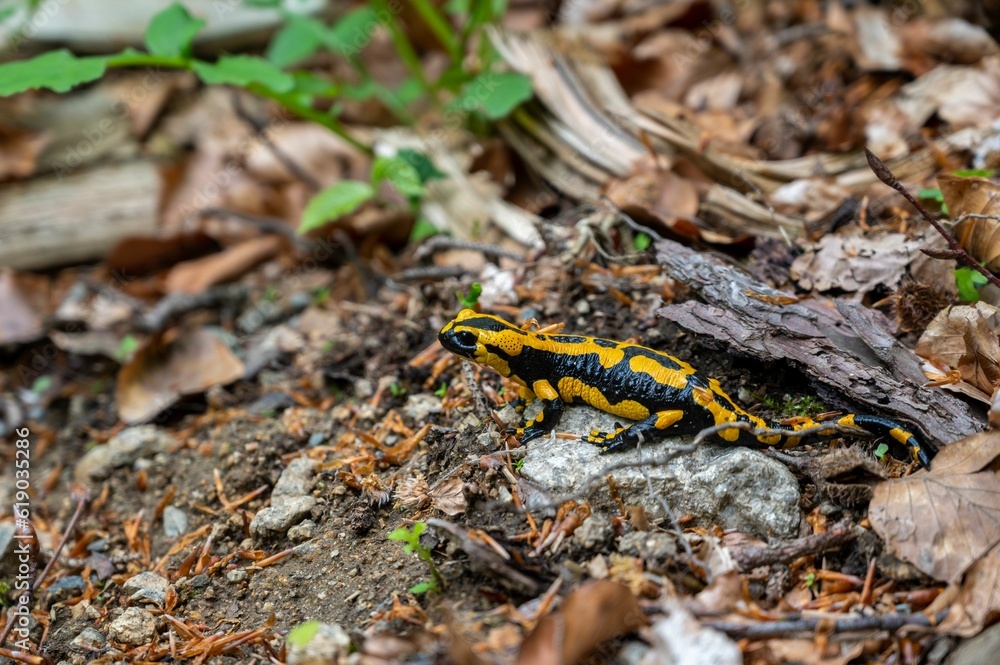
[
  {"x": 55, "y": 221},
  {"x": 738, "y": 310}
]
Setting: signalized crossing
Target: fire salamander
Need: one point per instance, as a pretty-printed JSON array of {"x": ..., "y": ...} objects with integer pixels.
[{"x": 659, "y": 391}]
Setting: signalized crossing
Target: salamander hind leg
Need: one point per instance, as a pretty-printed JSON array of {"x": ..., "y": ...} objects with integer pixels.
[
  {"x": 623, "y": 438},
  {"x": 921, "y": 451}
]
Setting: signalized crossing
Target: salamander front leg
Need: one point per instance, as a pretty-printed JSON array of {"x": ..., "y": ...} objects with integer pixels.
[
  {"x": 542, "y": 423},
  {"x": 624, "y": 438},
  {"x": 548, "y": 417}
]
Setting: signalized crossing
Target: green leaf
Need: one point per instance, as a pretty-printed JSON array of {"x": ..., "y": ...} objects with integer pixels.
[
  {"x": 881, "y": 450},
  {"x": 333, "y": 202},
  {"x": 41, "y": 384},
  {"x": 423, "y": 587},
  {"x": 400, "y": 173},
  {"x": 409, "y": 91},
  {"x": 353, "y": 32},
  {"x": 494, "y": 94},
  {"x": 422, "y": 229},
  {"x": 365, "y": 89},
  {"x": 933, "y": 194},
  {"x": 56, "y": 70},
  {"x": 127, "y": 348},
  {"x": 302, "y": 634},
  {"x": 299, "y": 38},
  {"x": 400, "y": 533},
  {"x": 242, "y": 70},
  {"x": 976, "y": 173},
  {"x": 968, "y": 282},
  {"x": 642, "y": 241},
  {"x": 422, "y": 163},
  {"x": 315, "y": 86},
  {"x": 171, "y": 32}
]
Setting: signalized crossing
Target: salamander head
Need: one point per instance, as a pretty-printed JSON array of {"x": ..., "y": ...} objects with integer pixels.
[{"x": 487, "y": 340}]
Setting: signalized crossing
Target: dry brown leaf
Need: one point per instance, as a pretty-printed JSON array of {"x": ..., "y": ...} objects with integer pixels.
[
  {"x": 18, "y": 321},
  {"x": 964, "y": 337},
  {"x": 448, "y": 496},
  {"x": 877, "y": 44},
  {"x": 808, "y": 652},
  {"x": 171, "y": 366},
  {"x": 944, "y": 519},
  {"x": 199, "y": 274},
  {"x": 978, "y": 600},
  {"x": 594, "y": 613},
  {"x": 652, "y": 191},
  {"x": 979, "y": 366},
  {"x": 852, "y": 262},
  {"x": 975, "y": 196}
]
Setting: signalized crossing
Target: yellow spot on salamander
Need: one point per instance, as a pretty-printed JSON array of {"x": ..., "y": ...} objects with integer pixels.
[
  {"x": 706, "y": 398},
  {"x": 544, "y": 390},
  {"x": 572, "y": 389},
  {"x": 662, "y": 375}
]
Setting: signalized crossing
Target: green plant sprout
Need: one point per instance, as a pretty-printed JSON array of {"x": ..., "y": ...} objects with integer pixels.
[
  {"x": 880, "y": 451},
  {"x": 411, "y": 538},
  {"x": 469, "y": 300}
]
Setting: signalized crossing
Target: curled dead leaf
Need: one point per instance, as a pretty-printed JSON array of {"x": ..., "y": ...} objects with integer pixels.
[
  {"x": 199, "y": 274},
  {"x": 977, "y": 602},
  {"x": 964, "y": 337},
  {"x": 171, "y": 366},
  {"x": 448, "y": 496},
  {"x": 594, "y": 613},
  {"x": 980, "y": 235},
  {"x": 944, "y": 519}
]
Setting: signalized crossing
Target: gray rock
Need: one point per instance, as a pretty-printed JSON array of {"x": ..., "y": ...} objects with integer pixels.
[
  {"x": 649, "y": 545},
  {"x": 297, "y": 479},
  {"x": 733, "y": 486},
  {"x": 276, "y": 519},
  {"x": 134, "y": 627},
  {"x": 236, "y": 575},
  {"x": 302, "y": 532},
  {"x": 595, "y": 531},
  {"x": 147, "y": 585},
  {"x": 175, "y": 522},
  {"x": 122, "y": 450},
  {"x": 421, "y": 406},
  {"x": 89, "y": 640},
  {"x": 329, "y": 644}
]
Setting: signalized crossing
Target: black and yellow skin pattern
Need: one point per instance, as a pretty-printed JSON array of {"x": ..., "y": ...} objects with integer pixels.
[{"x": 663, "y": 393}]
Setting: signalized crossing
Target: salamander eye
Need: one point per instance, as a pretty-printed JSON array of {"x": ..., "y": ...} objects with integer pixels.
[{"x": 466, "y": 338}]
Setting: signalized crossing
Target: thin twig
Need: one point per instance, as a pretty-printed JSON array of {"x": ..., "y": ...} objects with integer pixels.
[
  {"x": 759, "y": 631},
  {"x": 260, "y": 129},
  {"x": 883, "y": 173}
]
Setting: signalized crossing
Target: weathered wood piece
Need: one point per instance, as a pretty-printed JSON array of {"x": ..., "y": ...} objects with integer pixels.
[
  {"x": 851, "y": 362},
  {"x": 53, "y": 221}
]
